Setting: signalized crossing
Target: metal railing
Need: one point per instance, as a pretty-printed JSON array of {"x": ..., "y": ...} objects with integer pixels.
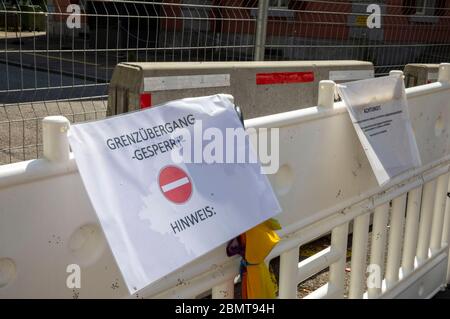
[{"x": 55, "y": 50}]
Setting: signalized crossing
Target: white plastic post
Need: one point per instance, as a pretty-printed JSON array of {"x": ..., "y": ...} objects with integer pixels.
[
  {"x": 288, "y": 274},
  {"x": 395, "y": 240},
  {"x": 396, "y": 73},
  {"x": 326, "y": 93},
  {"x": 359, "y": 255},
  {"x": 411, "y": 230},
  {"x": 56, "y": 144},
  {"x": 339, "y": 237},
  {"x": 444, "y": 72},
  {"x": 379, "y": 230},
  {"x": 224, "y": 290},
  {"x": 447, "y": 229},
  {"x": 438, "y": 214},
  {"x": 426, "y": 217},
  {"x": 446, "y": 233}
]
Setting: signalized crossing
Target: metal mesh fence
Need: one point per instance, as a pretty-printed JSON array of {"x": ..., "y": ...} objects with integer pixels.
[
  {"x": 408, "y": 32},
  {"x": 57, "y": 56},
  {"x": 21, "y": 124}
]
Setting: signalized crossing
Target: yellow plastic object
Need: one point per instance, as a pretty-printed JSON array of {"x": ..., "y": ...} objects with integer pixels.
[{"x": 259, "y": 242}]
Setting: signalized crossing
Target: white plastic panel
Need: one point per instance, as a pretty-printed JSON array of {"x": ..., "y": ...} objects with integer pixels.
[{"x": 48, "y": 224}]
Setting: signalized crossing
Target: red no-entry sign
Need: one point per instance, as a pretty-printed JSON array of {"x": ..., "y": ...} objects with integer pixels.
[{"x": 175, "y": 184}]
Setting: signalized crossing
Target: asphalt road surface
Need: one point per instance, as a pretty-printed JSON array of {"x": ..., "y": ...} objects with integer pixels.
[{"x": 26, "y": 84}]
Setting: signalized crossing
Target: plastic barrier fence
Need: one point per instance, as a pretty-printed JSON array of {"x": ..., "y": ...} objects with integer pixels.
[
  {"x": 420, "y": 73},
  {"x": 324, "y": 184}
]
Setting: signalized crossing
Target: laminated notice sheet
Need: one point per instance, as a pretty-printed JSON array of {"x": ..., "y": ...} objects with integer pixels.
[{"x": 379, "y": 112}]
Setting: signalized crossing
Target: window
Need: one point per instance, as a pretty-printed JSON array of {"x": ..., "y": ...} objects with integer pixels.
[
  {"x": 423, "y": 7},
  {"x": 440, "y": 8},
  {"x": 278, "y": 8},
  {"x": 278, "y": 3},
  {"x": 424, "y": 11},
  {"x": 420, "y": 7}
]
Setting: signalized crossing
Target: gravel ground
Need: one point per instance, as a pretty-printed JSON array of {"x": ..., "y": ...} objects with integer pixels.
[{"x": 320, "y": 279}]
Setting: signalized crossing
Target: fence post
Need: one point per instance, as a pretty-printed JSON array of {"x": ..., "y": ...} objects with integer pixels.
[
  {"x": 411, "y": 230},
  {"x": 379, "y": 229},
  {"x": 326, "y": 93},
  {"x": 288, "y": 274},
  {"x": 56, "y": 144},
  {"x": 438, "y": 213},
  {"x": 426, "y": 218},
  {"x": 339, "y": 237},
  {"x": 261, "y": 27},
  {"x": 446, "y": 232},
  {"x": 444, "y": 76},
  {"x": 395, "y": 240},
  {"x": 396, "y": 73},
  {"x": 359, "y": 256},
  {"x": 444, "y": 72}
]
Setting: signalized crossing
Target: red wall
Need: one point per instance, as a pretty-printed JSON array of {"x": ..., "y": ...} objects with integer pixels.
[
  {"x": 168, "y": 14},
  {"x": 323, "y": 20},
  {"x": 399, "y": 27},
  {"x": 330, "y": 23}
]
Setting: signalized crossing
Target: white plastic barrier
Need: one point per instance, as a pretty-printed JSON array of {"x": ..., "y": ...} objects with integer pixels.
[
  {"x": 324, "y": 183},
  {"x": 420, "y": 73}
]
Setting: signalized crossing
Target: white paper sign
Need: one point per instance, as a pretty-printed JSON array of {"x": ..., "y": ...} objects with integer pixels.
[
  {"x": 158, "y": 214},
  {"x": 379, "y": 112}
]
